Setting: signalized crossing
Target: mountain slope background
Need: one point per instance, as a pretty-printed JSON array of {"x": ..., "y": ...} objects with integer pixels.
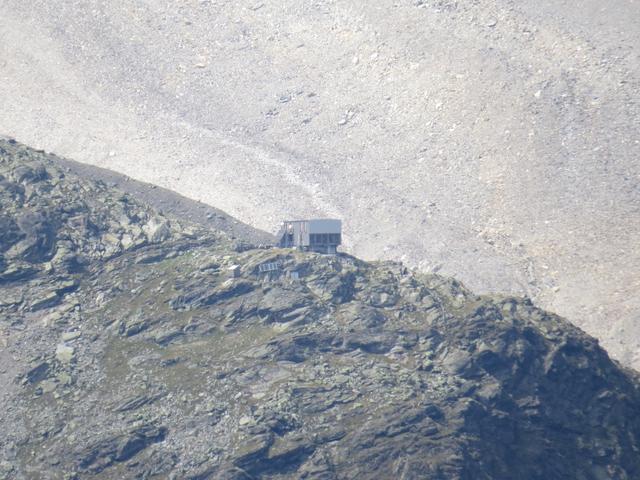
[{"x": 496, "y": 141}]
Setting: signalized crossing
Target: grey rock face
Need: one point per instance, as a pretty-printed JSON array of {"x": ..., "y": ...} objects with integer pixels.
[
  {"x": 119, "y": 447},
  {"x": 39, "y": 233},
  {"x": 173, "y": 368}
]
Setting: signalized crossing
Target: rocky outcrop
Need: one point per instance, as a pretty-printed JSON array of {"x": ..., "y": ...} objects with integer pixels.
[
  {"x": 171, "y": 355},
  {"x": 118, "y": 448}
]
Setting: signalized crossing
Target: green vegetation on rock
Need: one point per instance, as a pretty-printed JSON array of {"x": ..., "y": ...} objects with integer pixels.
[{"x": 132, "y": 349}]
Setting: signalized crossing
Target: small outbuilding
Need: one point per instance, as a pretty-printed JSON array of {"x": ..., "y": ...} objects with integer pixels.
[{"x": 322, "y": 235}]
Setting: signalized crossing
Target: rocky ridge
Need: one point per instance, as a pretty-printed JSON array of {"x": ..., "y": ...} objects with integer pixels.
[
  {"x": 135, "y": 345},
  {"x": 506, "y": 131}
]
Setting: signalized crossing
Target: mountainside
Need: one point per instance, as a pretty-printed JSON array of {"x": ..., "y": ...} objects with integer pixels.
[
  {"x": 136, "y": 345},
  {"x": 495, "y": 141}
]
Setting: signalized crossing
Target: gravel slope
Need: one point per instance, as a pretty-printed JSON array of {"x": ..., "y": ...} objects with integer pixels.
[{"x": 495, "y": 141}]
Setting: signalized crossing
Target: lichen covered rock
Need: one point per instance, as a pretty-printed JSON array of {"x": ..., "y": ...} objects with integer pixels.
[{"x": 151, "y": 360}]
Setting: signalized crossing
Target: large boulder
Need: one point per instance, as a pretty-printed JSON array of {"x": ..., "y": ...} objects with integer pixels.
[{"x": 38, "y": 232}]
